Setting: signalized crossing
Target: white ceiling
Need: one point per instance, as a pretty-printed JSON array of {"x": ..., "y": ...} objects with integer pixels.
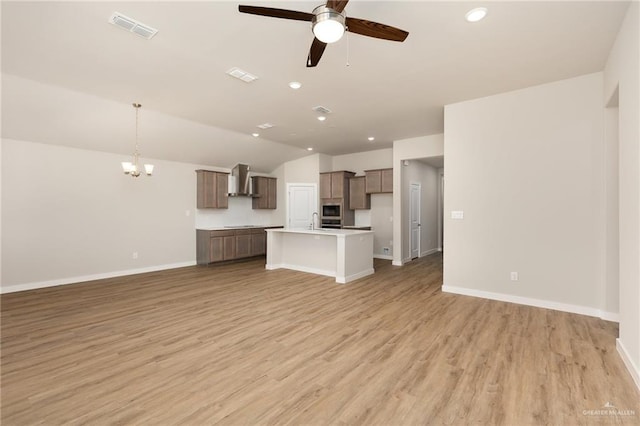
[{"x": 390, "y": 90}]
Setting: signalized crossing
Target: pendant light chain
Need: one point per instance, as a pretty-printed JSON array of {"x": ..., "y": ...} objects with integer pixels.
[{"x": 133, "y": 169}]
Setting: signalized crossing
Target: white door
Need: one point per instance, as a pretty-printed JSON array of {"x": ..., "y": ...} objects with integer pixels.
[
  {"x": 414, "y": 201},
  {"x": 302, "y": 202}
]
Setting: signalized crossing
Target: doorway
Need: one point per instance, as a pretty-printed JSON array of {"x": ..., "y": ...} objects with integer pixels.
[
  {"x": 414, "y": 219},
  {"x": 302, "y": 202}
]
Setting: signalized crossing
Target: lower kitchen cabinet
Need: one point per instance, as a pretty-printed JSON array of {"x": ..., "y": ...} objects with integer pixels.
[
  {"x": 258, "y": 242},
  {"x": 243, "y": 243},
  {"x": 222, "y": 245}
]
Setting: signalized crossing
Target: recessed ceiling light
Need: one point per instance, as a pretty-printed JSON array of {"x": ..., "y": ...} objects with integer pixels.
[
  {"x": 322, "y": 118},
  {"x": 265, "y": 126},
  {"x": 295, "y": 85},
  {"x": 475, "y": 15},
  {"x": 309, "y": 149},
  {"x": 371, "y": 138},
  {"x": 255, "y": 135}
]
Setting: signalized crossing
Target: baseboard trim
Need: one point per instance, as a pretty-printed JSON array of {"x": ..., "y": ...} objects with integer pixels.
[
  {"x": 397, "y": 263},
  {"x": 353, "y": 277},
  {"x": 382, "y": 256},
  {"x": 538, "y": 303},
  {"x": 428, "y": 252},
  {"x": 300, "y": 269},
  {"x": 628, "y": 362},
  {"x": 93, "y": 277}
]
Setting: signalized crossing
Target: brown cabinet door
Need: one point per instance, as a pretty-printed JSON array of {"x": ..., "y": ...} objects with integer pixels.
[
  {"x": 337, "y": 185},
  {"x": 387, "y": 180},
  {"x": 260, "y": 188},
  {"x": 373, "y": 181},
  {"x": 258, "y": 244},
  {"x": 229, "y": 247},
  {"x": 272, "y": 199},
  {"x": 325, "y": 185},
  {"x": 358, "y": 198},
  {"x": 265, "y": 190},
  {"x": 216, "y": 251},
  {"x": 243, "y": 245},
  {"x": 205, "y": 189},
  {"x": 222, "y": 188},
  {"x": 212, "y": 190}
]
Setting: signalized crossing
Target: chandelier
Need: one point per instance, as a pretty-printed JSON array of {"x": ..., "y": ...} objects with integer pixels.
[{"x": 132, "y": 168}]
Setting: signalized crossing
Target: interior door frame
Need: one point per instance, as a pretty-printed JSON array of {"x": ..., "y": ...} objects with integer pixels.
[
  {"x": 411, "y": 186},
  {"x": 313, "y": 186}
]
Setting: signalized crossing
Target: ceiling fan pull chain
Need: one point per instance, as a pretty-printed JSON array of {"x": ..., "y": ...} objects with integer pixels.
[{"x": 347, "y": 31}]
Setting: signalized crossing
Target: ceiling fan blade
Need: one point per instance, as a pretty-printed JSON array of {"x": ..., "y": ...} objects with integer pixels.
[
  {"x": 276, "y": 13},
  {"x": 315, "y": 53},
  {"x": 376, "y": 30},
  {"x": 337, "y": 5}
]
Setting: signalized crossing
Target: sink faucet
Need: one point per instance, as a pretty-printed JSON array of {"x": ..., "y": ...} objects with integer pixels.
[{"x": 314, "y": 217}]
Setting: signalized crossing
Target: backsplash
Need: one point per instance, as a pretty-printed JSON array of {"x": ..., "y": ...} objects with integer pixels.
[{"x": 238, "y": 213}]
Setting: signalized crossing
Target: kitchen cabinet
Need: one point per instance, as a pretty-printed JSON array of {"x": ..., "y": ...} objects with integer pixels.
[
  {"x": 229, "y": 244},
  {"x": 243, "y": 243},
  {"x": 265, "y": 191},
  {"x": 212, "y": 190},
  {"x": 258, "y": 242},
  {"x": 378, "y": 181},
  {"x": 214, "y": 246},
  {"x": 358, "y": 198},
  {"x": 335, "y": 184}
]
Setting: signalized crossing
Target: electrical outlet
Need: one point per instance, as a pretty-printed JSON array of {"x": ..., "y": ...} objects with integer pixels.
[
  {"x": 134, "y": 255},
  {"x": 385, "y": 250},
  {"x": 514, "y": 276},
  {"x": 187, "y": 213}
]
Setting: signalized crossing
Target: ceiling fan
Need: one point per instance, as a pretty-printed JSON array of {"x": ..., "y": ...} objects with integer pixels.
[{"x": 328, "y": 24}]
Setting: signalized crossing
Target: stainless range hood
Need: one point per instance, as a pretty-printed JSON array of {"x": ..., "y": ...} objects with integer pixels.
[{"x": 240, "y": 181}]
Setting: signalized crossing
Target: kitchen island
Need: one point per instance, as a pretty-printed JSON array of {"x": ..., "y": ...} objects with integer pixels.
[{"x": 341, "y": 253}]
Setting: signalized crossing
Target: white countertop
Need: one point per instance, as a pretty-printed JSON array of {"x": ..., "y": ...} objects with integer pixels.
[
  {"x": 231, "y": 228},
  {"x": 326, "y": 231}
]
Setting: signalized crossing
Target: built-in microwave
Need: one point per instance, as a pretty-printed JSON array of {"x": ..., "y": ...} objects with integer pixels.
[{"x": 331, "y": 210}]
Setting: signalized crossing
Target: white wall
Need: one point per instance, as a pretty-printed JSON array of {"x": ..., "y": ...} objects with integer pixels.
[
  {"x": 427, "y": 177},
  {"x": 379, "y": 217},
  {"x": 623, "y": 70},
  {"x": 69, "y": 214},
  {"x": 526, "y": 168},
  {"x": 407, "y": 149},
  {"x": 303, "y": 170}
]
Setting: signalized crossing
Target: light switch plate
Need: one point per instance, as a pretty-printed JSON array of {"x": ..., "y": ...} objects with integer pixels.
[{"x": 457, "y": 214}]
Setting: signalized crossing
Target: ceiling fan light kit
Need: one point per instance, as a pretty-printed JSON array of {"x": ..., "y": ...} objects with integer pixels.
[{"x": 327, "y": 24}]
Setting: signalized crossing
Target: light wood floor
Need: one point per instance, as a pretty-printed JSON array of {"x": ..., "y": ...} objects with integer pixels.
[{"x": 235, "y": 344}]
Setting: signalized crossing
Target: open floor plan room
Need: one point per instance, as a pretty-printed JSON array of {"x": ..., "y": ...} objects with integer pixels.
[{"x": 248, "y": 346}]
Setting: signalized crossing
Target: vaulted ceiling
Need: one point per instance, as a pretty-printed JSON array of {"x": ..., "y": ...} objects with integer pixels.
[{"x": 376, "y": 88}]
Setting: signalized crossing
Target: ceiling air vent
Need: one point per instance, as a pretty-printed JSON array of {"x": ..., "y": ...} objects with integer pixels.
[
  {"x": 131, "y": 25},
  {"x": 321, "y": 110},
  {"x": 241, "y": 75}
]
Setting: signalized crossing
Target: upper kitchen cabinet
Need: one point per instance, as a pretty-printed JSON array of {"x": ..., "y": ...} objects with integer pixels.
[
  {"x": 358, "y": 198},
  {"x": 265, "y": 192},
  {"x": 378, "y": 181},
  {"x": 335, "y": 184},
  {"x": 212, "y": 190}
]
